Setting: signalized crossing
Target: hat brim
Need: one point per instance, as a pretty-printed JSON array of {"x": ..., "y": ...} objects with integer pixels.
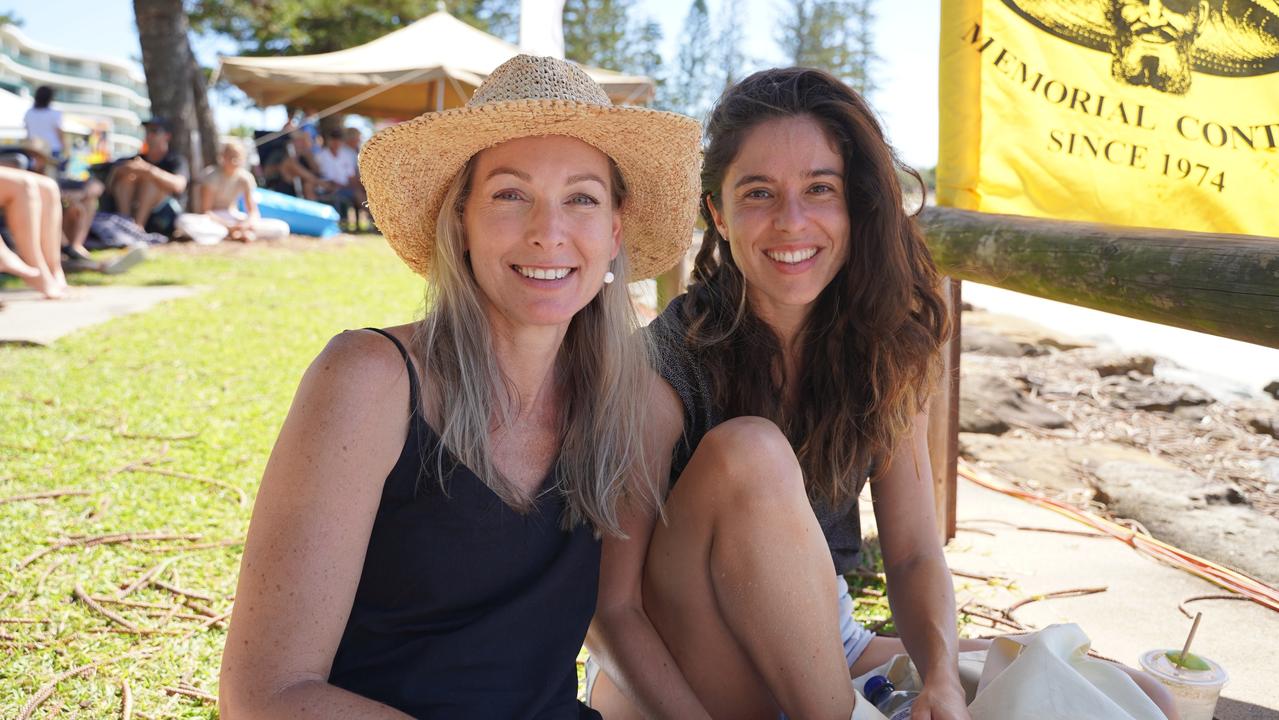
[
  {"x": 407, "y": 169},
  {"x": 1238, "y": 38}
]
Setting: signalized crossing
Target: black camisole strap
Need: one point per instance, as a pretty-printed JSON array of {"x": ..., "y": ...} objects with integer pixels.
[{"x": 415, "y": 390}]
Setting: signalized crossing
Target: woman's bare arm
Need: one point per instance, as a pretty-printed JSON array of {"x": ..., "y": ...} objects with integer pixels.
[
  {"x": 309, "y": 532},
  {"x": 920, "y": 588},
  {"x": 622, "y": 638}
]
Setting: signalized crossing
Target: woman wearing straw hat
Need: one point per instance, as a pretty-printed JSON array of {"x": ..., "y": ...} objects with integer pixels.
[{"x": 424, "y": 540}]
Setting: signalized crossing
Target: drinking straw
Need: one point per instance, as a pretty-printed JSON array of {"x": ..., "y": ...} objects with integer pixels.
[{"x": 1181, "y": 659}]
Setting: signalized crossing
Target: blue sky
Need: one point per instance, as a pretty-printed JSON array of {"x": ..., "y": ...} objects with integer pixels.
[{"x": 906, "y": 37}]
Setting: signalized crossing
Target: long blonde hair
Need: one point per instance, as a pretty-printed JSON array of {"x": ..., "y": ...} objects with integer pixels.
[{"x": 601, "y": 370}]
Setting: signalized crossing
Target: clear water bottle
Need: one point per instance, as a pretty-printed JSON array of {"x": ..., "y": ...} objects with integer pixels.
[{"x": 892, "y": 702}]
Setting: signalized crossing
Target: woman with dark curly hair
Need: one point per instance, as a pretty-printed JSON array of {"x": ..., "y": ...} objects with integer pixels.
[{"x": 798, "y": 366}]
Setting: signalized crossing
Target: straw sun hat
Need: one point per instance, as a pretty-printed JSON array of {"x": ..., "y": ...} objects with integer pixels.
[{"x": 408, "y": 167}]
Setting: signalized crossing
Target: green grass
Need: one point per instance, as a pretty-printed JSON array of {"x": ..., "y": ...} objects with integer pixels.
[{"x": 195, "y": 389}]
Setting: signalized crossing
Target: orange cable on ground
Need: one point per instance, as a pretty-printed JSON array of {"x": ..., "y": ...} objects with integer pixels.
[{"x": 1233, "y": 580}]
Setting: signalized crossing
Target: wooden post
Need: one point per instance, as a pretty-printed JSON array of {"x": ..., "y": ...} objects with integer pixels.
[
  {"x": 1225, "y": 285},
  {"x": 943, "y": 420}
]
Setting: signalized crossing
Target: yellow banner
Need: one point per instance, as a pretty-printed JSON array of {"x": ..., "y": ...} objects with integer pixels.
[{"x": 1135, "y": 112}]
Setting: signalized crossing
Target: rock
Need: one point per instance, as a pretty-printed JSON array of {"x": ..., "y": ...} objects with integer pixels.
[
  {"x": 1194, "y": 413},
  {"x": 1049, "y": 464},
  {"x": 1273, "y": 389},
  {"x": 1020, "y": 330},
  {"x": 1182, "y": 509},
  {"x": 1095, "y": 454},
  {"x": 985, "y": 342},
  {"x": 1125, "y": 364},
  {"x": 976, "y": 419},
  {"x": 990, "y": 404},
  {"x": 1262, "y": 424},
  {"x": 1270, "y": 472},
  {"x": 1037, "y": 463},
  {"x": 1158, "y": 397}
]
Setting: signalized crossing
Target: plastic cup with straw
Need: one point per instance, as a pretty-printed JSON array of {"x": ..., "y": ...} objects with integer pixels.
[{"x": 1194, "y": 681}]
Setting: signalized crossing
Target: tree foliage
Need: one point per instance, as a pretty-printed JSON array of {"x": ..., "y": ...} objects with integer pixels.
[
  {"x": 834, "y": 35},
  {"x": 690, "y": 87},
  {"x": 304, "y": 27},
  {"x": 175, "y": 83},
  {"x": 604, "y": 34},
  {"x": 730, "y": 61}
]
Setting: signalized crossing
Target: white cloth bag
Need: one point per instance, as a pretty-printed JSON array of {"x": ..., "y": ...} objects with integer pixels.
[
  {"x": 1048, "y": 675},
  {"x": 1045, "y": 675}
]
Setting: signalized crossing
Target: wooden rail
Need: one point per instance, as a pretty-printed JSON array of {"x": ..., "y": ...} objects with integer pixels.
[{"x": 1226, "y": 285}]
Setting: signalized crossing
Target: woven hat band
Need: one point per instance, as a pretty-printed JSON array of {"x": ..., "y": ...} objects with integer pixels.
[{"x": 526, "y": 77}]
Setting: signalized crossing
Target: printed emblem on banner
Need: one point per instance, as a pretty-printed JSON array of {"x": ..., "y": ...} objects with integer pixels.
[{"x": 1161, "y": 43}]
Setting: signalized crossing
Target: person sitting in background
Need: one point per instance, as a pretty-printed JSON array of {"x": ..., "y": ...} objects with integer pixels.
[
  {"x": 354, "y": 139},
  {"x": 141, "y": 185},
  {"x": 221, "y": 188},
  {"x": 45, "y": 123},
  {"x": 293, "y": 168},
  {"x": 338, "y": 166},
  {"x": 33, "y": 214}
]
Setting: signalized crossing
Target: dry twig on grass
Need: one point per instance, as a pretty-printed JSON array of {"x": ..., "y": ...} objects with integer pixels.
[
  {"x": 47, "y": 495},
  {"x": 230, "y": 542},
  {"x": 147, "y": 436},
  {"x": 112, "y": 539},
  {"x": 126, "y": 701},
  {"x": 47, "y": 689},
  {"x": 148, "y": 465},
  {"x": 192, "y": 692},
  {"x": 145, "y": 578},
  {"x": 242, "y": 498},
  {"x": 182, "y": 591},
  {"x": 122, "y": 621}
]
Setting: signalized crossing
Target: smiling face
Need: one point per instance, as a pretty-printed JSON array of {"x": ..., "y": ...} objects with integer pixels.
[
  {"x": 784, "y": 214},
  {"x": 541, "y": 228}
]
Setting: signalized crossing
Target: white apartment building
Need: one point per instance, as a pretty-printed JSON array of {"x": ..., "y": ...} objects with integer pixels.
[{"x": 97, "y": 91}]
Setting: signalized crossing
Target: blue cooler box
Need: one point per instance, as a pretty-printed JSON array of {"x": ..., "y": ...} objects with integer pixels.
[{"x": 305, "y": 217}]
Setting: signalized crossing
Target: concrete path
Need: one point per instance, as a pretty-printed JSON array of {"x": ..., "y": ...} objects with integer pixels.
[
  {"x": 28, "y": 319},
  {"x": 1138, "y": 611}
]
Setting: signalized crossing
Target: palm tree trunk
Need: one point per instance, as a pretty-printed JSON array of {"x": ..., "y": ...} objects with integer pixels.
[{"x": 171, "y": 78}]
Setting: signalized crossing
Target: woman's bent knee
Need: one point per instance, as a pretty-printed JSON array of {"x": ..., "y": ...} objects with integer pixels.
[{"x": 748, "y": 453}]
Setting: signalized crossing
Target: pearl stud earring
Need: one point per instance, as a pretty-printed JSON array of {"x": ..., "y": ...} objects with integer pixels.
[{"x": 609, "y": 277}]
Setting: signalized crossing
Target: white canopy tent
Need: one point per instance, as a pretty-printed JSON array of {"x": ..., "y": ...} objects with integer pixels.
[{"x": 433, "y": 64}]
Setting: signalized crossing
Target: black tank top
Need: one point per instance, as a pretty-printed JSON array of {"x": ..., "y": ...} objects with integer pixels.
[{"x": 465, "y": 607}]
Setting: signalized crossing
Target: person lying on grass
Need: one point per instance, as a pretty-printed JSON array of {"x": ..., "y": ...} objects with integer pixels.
[
  {"x": 425, "y": 539},
  {"x": 797, "y": 366}
]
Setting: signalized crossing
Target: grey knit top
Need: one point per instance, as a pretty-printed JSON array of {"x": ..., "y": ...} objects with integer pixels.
[{"x": 678, "y": 365}]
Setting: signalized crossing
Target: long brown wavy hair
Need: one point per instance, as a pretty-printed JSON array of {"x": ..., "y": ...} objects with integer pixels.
[{"x": 870, "y": 346}]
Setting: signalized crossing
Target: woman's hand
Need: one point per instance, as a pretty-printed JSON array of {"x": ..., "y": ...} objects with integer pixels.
[{"x": 940, "y": 701}]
